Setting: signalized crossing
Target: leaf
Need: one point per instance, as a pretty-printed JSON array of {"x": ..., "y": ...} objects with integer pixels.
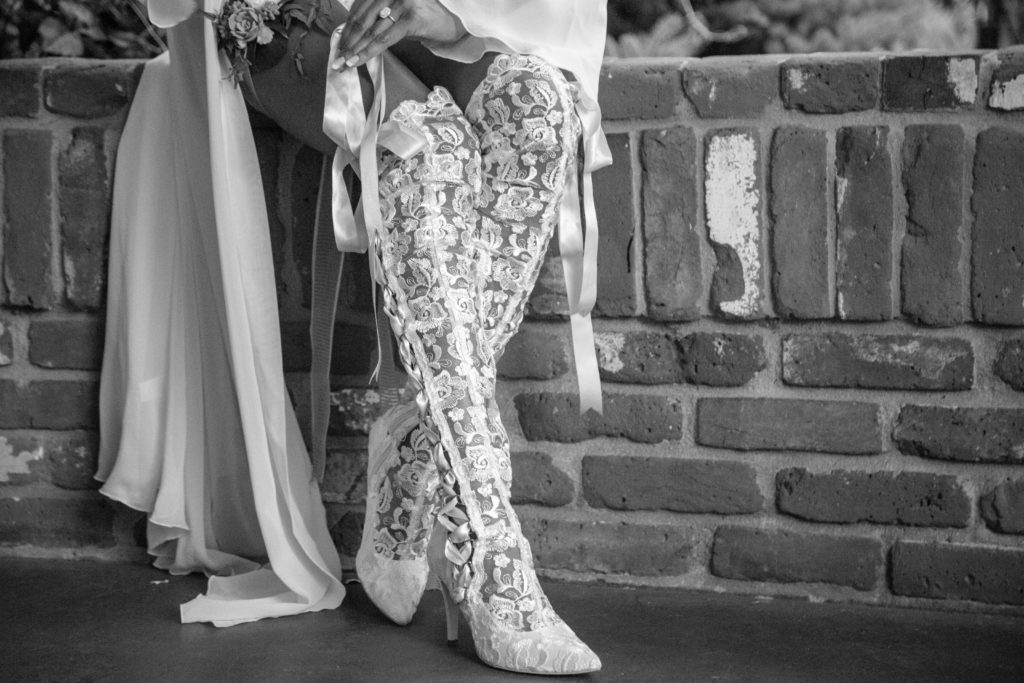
[{"x": 67, "y": 45}]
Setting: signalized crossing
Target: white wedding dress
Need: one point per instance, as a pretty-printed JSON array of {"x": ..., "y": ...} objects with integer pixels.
[{"x": 196, "y": 425}]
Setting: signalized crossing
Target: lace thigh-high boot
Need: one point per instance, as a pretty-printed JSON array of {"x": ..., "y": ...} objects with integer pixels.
[{"x": 431, "y": 259}]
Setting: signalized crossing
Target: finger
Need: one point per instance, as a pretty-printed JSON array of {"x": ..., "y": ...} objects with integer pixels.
[
  {"x": 381, "y": 32},
  {"x": 382, "y": 42},
  {"x": 360, "y": 22}
]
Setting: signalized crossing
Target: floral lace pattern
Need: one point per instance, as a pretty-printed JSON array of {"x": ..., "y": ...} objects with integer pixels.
[
  {"x": 405, "y": 505},
  {"x": 460, "y": 257}
]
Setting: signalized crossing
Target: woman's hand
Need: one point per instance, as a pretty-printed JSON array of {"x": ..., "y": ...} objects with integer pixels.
[{"x": 375, "y": 25}]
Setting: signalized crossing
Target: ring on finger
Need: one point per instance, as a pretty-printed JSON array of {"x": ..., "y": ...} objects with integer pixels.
[{"x": 385, "y": 13}]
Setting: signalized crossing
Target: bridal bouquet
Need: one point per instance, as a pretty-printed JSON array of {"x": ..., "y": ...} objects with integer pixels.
[{"x": 241, "y": 23}]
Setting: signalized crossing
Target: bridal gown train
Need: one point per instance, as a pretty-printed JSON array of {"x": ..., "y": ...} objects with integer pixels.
[{"x": 197, "y": 429}]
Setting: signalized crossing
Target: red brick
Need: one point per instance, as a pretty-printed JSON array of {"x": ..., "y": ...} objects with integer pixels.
[
  {"x": 958, "y": 572},
  {"x": 721, "y": 360},
  {"x": 534, "y": 354},
  {"x": 790, "y": 557},
  {"x": 89, "y": 91},
  {"x": 638, "y": 357},
  {"x": 733, "y": 199},
  {"x": 49, "y": 404},
  {"x": 672, "y": 238},
  {"x": 816, "y": 86},
  {"x": 991, "y": 435},
  {"x": 85, "y": 195},
  {"x": 536, "y": 480},
  {"x": 345, "y": 476},
  {"x": 870, "y": 361},
  {"x": 19, "y": 83},
  {"x": 931, "y": 281},
  {"x": 354, "y": 350},
  {"x": 611, "y": 547},
  {"x": 56, "y": 522},
  {"x": 639, "y": 418},
  {"x": 637, "y": 90},
  {"x": 843, "y": 497},
  {"x": 1002, "y": 508},
  {"x": 27, "y": 202},
  {"x": 731, "y": 87},
  {"x": 639, "y": 483},
  {"x": 1007, "y": 88},
  {"x": 749, "y": 424},
  {"x": 75, "y": 343},
  {"x": 616, "y": 286},
  {"x": 920, "y": 83},
  {"x": 345, "y": 527},
  {"x": 613, "y": 194},
  {"x": 997, "y": 260},
  {"x": 799, "y": 214},
  {"x": 1009, "y": 365},
  {"x": 65, "y": 459},
  {"x": 6, "y": 342},
  {"x": 864, "y": 203}
]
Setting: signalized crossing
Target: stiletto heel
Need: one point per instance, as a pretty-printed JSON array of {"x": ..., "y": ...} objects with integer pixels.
[{"x": 451, "y": 616}]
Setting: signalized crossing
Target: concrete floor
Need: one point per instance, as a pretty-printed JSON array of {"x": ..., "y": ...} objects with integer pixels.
[{"x": 89, "y": 621}]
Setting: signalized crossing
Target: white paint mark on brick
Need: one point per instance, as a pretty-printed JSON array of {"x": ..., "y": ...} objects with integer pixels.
[
  {"x": 841, "y": 185},
  {"x": 797, "y": 79},
  {"x": 15, "y": 464},
  {"x": 963, "y": 76},
  {"x": 1008, "y": 95},
  {"x": 732, "y": 200},
  {"x": 609, "y": 347},
  {"x": 4, "y": 358}
]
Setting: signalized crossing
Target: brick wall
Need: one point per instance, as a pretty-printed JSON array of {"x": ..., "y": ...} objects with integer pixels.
[{"x": 810, "y": 327}]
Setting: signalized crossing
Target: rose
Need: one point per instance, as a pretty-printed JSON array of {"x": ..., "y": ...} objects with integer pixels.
[{"x": 245, "y": 25}]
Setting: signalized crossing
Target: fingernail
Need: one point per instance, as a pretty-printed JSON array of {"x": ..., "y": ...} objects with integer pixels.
[
  {"x": 352, "y": 61},
  {"x": 337, "y": 64}
]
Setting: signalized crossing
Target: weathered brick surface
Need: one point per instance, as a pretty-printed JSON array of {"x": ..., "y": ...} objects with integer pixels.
[
  {"x": 1002, "y": 508},
  {"x": 958, "y": 572},
  {"x": 831, "y": 87},
  {"x": 20, "y": 85},
  {"x": 639, "y": 418},
  {"x": 610, "y": 547},
  {"x": 993, "y": 435},
  {"x": 28, "y": 236},
  {"x": 914, "y": 83},
  {"x": 748, "y": 424},
  {"x": 6, "y": 342},
  {"x": 536, "y": 480},
  {"x": 791, "y": 557},
  {"x": 345, "y": 476},
  {"x": 652, "y": 91},
  {"x": 733, "y": 189},
  {"x": 997, "y": 283},
  {"x": 66, "y": 459},
  {"x": 1009, "y": 365},
  {"x": 613, "y": 197},
  {"x": 56, "y": 522},
  {"x": 799, "y": 215},
  {"x": 353, "y": 352},
  {"x": 731, "y": 87},
  {"x": 931, "y": 282},
  {"x": 721, "y": 360},
  {"x": 639, "y": 483},
  {"x": 534, "y": 354},
  {"x": 48, "y": 404},
  {"x": 864, "y": 271},
  {"x": 843, "y": 497},
  {"x": 638, "y": 357},
  {"x": 1007, "y": 92},
  {"x": 85, "y": 192},
  {"x": 345, "y": 527},
  {"x": 75, "y": 343},
  {"x": 671, "y": 225},
  {"x": 869, "y": 361},
  {"x": 88, "y": 91},
  {"x": 548, "y": 300}
]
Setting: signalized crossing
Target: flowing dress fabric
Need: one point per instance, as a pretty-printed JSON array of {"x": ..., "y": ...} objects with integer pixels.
[{"x": 197, "y": 428}]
